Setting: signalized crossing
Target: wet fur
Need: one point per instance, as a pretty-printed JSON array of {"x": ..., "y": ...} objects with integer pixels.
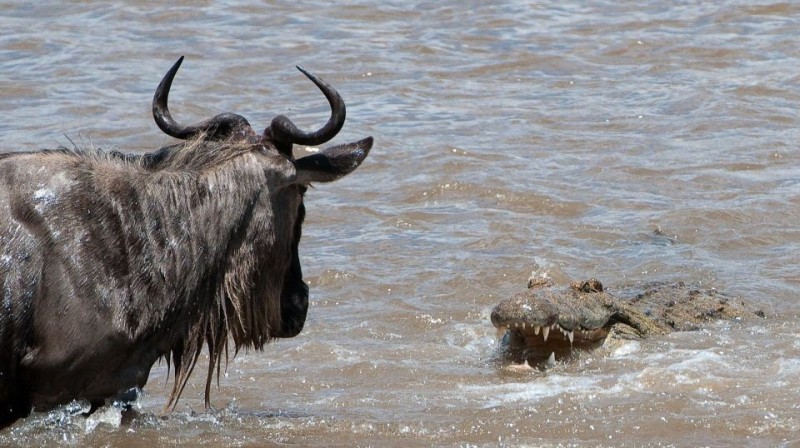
[{"x": 111, "y": 261}]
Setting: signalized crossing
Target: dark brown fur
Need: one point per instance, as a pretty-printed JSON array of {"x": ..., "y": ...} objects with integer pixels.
[{"x": 110, "y": 262}]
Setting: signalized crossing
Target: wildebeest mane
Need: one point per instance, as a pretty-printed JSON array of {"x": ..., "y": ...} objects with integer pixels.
[{"x": 196, "y": 154}]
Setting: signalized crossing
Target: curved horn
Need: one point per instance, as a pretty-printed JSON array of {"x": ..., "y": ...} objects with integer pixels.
[
  {"x": 219, "y": 127},
  {"x": 284, "y": 130}
]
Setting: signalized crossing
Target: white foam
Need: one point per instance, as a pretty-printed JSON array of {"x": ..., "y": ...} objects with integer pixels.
[
  {"x": 108, "y": 415},
  {"x": 625, "y": 349},
  {"x": 533, "y": 390},
  {"x": 697, "y": 361}
]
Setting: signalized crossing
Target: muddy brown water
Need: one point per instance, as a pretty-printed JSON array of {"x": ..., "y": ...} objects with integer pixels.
[{"x": 629, "y": 141}]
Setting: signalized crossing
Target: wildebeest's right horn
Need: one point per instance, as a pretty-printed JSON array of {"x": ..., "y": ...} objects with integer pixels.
[
  {"x": 219, "y": 127},
  {"x": 284, "y": 130}
]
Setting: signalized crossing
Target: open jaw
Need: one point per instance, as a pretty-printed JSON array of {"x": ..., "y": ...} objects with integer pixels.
[
  {"x": 542, "y": 344},
  {"x": 546, "y": 323}
]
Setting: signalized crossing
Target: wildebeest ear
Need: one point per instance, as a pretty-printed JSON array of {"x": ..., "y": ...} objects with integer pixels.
[{"x": 332, "y": 163}]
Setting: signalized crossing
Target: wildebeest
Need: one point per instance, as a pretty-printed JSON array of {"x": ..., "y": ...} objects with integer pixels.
[{"x": 110, "y": 262}]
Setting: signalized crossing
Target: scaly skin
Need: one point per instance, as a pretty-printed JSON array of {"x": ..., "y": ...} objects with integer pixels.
[{"x": 546, "y": 322}]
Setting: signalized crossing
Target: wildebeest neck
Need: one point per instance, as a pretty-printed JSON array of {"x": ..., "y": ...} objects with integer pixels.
[{"x": 228, "y": 236}]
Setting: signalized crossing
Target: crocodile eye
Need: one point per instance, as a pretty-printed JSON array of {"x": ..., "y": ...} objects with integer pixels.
[
  {"x": 589, "y": 286},
  {"x": 594, "y": 285}
]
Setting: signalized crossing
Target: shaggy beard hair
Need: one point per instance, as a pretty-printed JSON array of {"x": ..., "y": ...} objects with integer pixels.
[{"x": 243, "y": 301}]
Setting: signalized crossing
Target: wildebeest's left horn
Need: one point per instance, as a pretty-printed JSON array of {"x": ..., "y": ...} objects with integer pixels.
[
  {"x": 219, "y": 127},
  {"x": 284, "y": 130}
]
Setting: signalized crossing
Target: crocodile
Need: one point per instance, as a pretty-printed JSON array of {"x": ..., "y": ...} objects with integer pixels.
[{"x": 547, "y": 323}]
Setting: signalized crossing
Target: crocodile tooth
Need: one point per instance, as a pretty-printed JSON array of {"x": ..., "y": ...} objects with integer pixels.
[
  {"x": 545, "y": 332},
  {"x": 536, "y": 330},
  {"x": 551, "y": 361},
  {"x": 570, "y": 335},
  {"x": 523, "y": 325}
]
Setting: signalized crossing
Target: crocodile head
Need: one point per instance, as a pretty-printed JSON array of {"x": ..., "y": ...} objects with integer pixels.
[{"x": 544, "y": 322}]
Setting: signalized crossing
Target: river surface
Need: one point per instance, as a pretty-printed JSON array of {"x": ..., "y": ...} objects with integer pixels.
[{"x": 629, "y": 141}]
